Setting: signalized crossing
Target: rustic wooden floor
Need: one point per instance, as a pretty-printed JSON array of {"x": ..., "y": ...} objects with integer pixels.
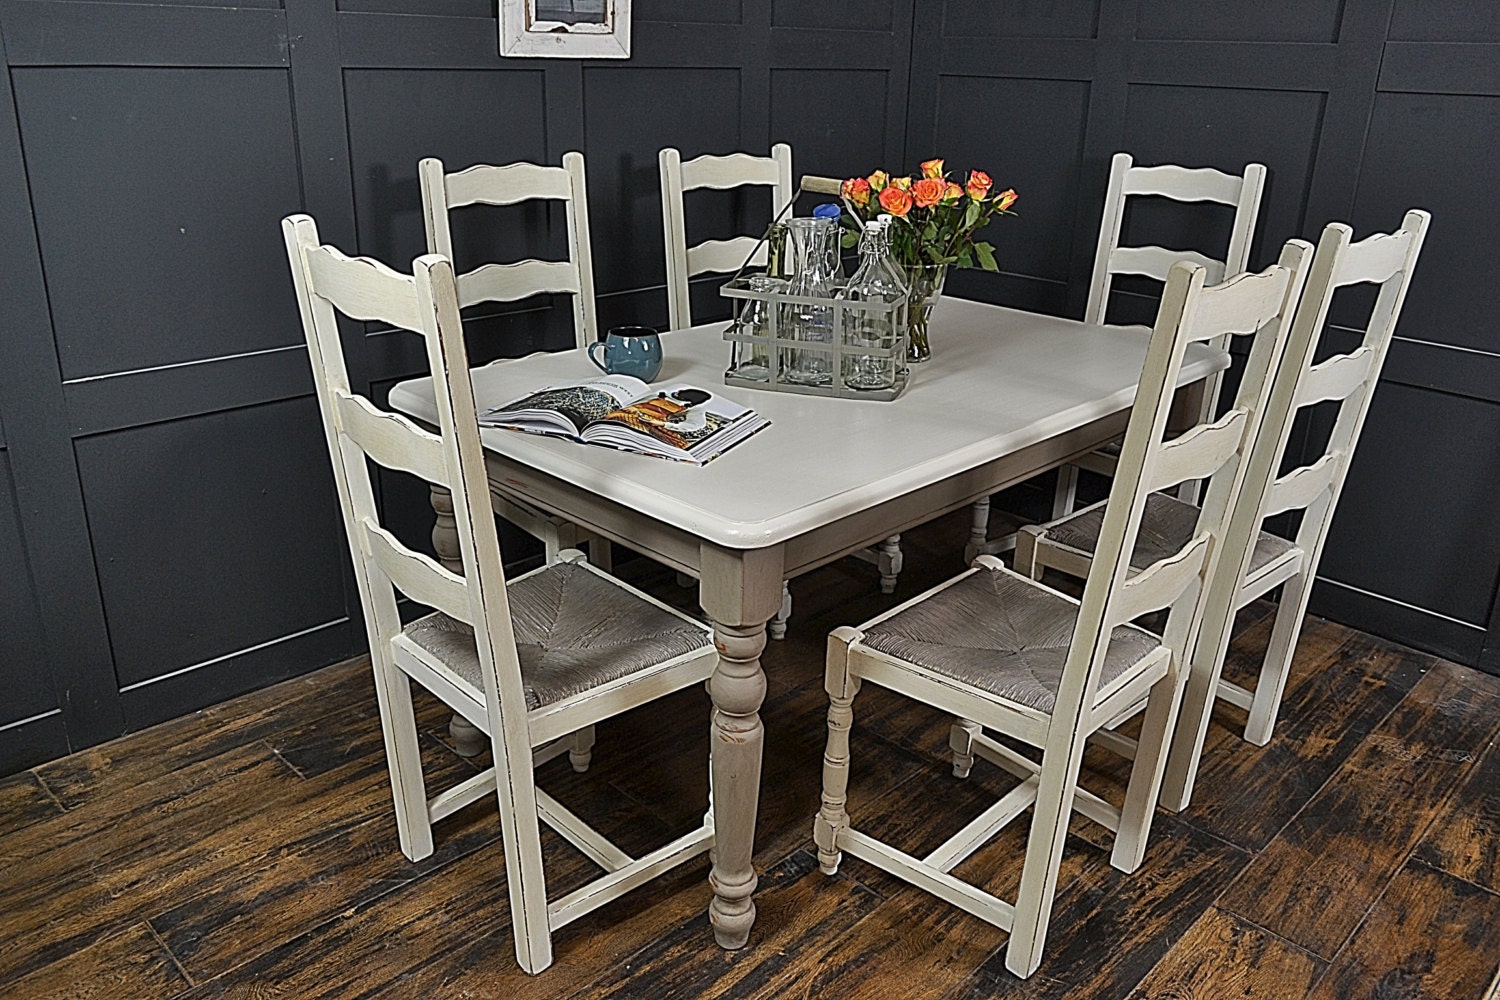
[{"x": 249, "y": 850}]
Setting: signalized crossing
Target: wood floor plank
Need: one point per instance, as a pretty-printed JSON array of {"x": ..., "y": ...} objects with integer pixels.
[
  {"x": 800, "y": 914},
  {"x": 122, "y": 858},
  {"x": 1429, "y": 935},
  {"x": 1246, "y": 794},
  {"x": 1314, "y": 882},
  {"x": 200, "y": 736},
  {"x": 1221, "y": 956},
  {"x": 130, "y": 965},
  {"x": 352, "y": 859},
  {"x": 1465, "y": 840},
  {"x": 914, "y": 946},
  {"x": 1109, "y": 929},
  {"x": 23, "y": 801}
]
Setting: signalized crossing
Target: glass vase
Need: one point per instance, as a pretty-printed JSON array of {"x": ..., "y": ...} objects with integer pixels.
[{"x": 926, "y": 283}]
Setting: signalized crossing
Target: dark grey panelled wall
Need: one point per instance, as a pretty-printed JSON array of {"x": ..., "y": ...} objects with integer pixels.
[{"x": 168, "y": 531}]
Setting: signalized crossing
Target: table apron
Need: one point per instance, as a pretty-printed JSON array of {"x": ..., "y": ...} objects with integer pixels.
[{"x": 681, "y": 550}]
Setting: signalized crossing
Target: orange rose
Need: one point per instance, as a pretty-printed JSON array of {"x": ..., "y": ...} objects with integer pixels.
[
  {"x": 857, "y": 190},
  {"x": 928, "y": 191},
  {"x": 1005, "y": 199},
  {"x": 878, "y": 180},
  {"x": 932, "y": 168},
  {"x": 979, "y": 184},
  {"x": 904, "y": 183},
  {"x": 952, "y": 194},
  {"x": 895, "y": 201}
]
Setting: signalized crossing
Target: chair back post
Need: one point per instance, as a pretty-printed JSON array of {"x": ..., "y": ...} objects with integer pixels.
[
  {"x": 784, "y": 190},
  {"x": 479, "y": 543},
  {"x": 674, "y": 234},
  {"x": 435, "y": 206},
  {"x": 580, "y": 251},
  {"x": 1246, "y": 212},
  {"x": 1109, "y": 238}
]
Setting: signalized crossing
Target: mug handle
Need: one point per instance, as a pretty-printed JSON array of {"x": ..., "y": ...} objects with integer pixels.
[{"x": 594, "y": 357}]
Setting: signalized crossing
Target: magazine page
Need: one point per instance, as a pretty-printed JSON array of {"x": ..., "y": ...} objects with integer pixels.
[
  {"x": 566, "y": 409},
  {"x": 678, "y": 421}
]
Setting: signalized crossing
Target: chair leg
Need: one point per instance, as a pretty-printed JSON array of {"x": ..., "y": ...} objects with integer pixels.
[
  {"x": 601, "y": 554},
  {"x": 832, "y": 818},
  {"x": 1044, "y": 845},
  {"x": 1278, "y": 662},
  {"x": 979, "y": 529},
  {"x": 553, "y": 543},
  {"x": 1066, "y": 494},
  {"x": 961, "y": 742},
  {"x": 521, "y": 837},
  {"x": 776, "y": 628},
  {"x": 1146, "y": 774},
  {"x": 1025, "y": 559},
  {"x": 403, "y": 755},
  {"x": 581, "y": 752},
  {"x": 890, "y": 561}
]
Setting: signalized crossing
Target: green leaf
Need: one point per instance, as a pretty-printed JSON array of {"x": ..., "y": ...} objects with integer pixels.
[
  {"x": 965, "y": 258},
  {"x": 986, "y": 254},
  {"x": 849, "y": 239},
  {"x": 971, "y": 214}
]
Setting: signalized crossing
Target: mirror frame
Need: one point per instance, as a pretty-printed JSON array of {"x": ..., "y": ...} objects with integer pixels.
[{"x": 521, "y": 34}]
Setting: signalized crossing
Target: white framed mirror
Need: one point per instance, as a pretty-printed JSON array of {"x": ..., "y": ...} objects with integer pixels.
[{"x": 566, "y": 29}]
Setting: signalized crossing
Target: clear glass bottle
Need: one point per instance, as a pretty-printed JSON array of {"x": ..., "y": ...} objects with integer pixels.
[
  {"x": 752, "y": 360},
  {"x": 863, "y": 328},
  {"x": 809, "y": 322}
]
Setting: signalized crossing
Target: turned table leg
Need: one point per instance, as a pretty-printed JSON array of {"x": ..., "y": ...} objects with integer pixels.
[
  {"x": 740, "y": 591},
  {"x": 468, "y": 740}
]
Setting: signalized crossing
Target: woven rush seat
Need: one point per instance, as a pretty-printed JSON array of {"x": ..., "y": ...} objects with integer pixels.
[
  {"x": 1003, "y": 634},
  {"x": 1166, "y": 526},
  {"x": 574, "y": 631}
]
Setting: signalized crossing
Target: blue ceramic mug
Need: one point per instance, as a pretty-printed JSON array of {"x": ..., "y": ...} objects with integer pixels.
[{"x": 629, "y": 350}]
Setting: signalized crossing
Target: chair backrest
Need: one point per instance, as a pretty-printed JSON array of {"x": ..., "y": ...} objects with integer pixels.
[
  {"x": 1254, "y": 305},
  {"x": 719, "y": 256},
  {"x": 509, "y": 185},
  {"x": 424, "y": 302},
  {"x": 1386, "y": 260},
  {"x": 1178, "y": 184}
]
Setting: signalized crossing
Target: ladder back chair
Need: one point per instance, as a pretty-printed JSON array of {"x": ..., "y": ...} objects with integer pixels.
[
  {"x": 533, "y": 664},
  {"x": 1010, "y": 655},
  {"x": 1313, "y": 487},
  {"x": 1181, "y": 184},
  {"x": 727, "y": 256},
  {"x": 497, "y": 282}
]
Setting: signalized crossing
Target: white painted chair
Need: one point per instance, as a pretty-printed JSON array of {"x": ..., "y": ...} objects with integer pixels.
[
  {"x": 1012, "y": 656},
  {"x": 1268, "y": 560},
  {"x": 726, "y": 256},
  {"x": 511, "y": 184},
  {"x": 534, "y": 664},
  {"x": 1183, "y": 184}
]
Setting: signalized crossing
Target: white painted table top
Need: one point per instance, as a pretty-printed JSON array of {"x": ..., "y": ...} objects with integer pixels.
[{"x": 999, "y": 380}]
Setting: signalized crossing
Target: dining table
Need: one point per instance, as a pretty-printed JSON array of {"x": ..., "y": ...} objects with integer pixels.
[{"x": 1006, "y": 395}]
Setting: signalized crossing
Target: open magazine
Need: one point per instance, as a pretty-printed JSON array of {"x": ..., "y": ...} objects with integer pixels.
[{"x": 677, "y": 421}]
